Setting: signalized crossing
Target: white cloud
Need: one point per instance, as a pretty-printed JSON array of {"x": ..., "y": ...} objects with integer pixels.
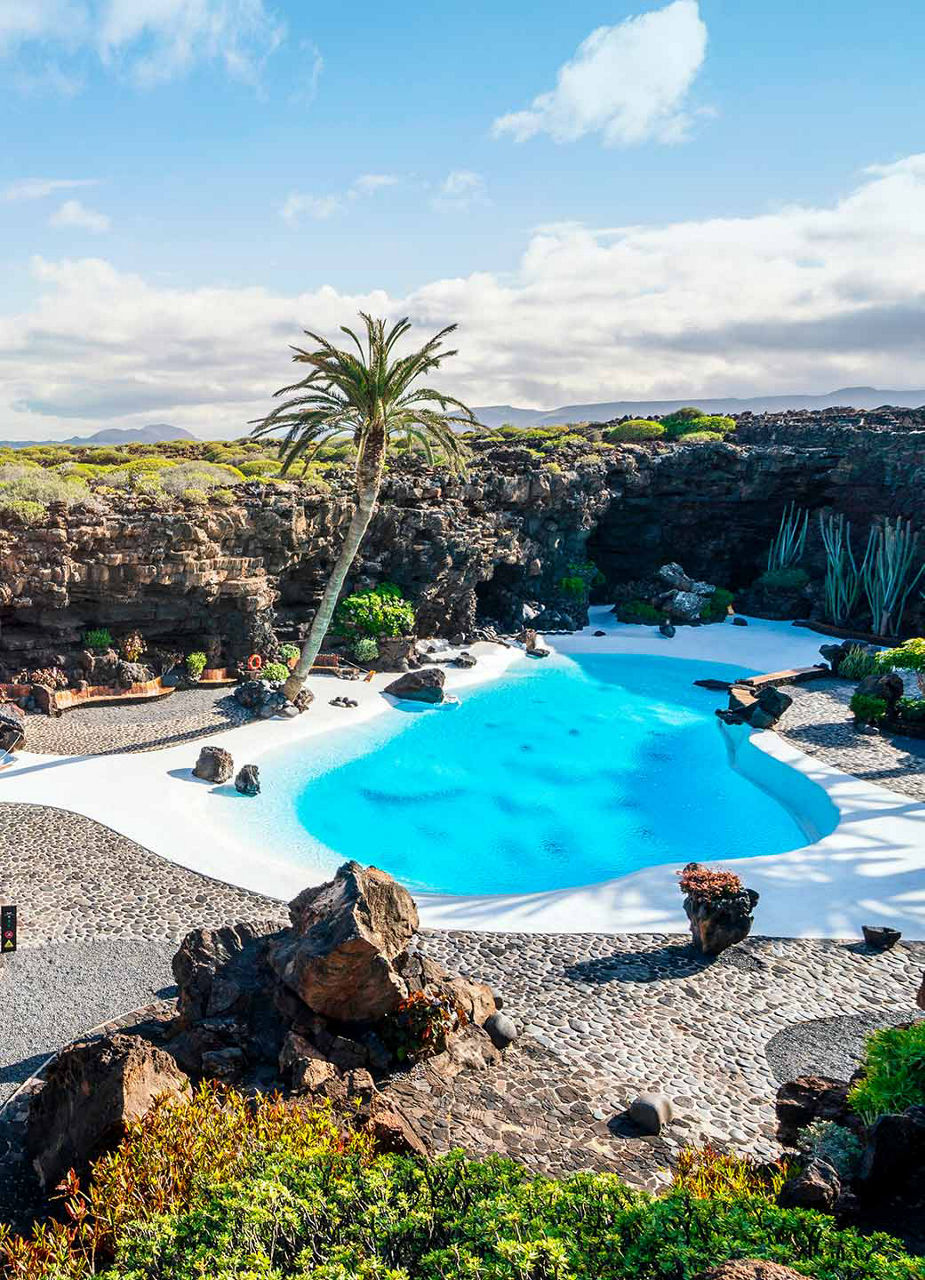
[
  {"x": 39, "y": 188},
  {"x": 629, "y": 83},
  {"x": 74, "y": 214},
  {"x": 806, "y": 298},
  {"x": 460, "y": 190},
  {"x": 298, "y": 204},
  {"x": 149, "y": 41}
]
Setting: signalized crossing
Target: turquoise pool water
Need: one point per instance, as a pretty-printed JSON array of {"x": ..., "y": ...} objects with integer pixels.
[{"x": 563, "y": 773}]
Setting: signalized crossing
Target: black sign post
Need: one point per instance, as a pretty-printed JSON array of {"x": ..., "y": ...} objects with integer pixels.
[{"x": 7, "y": 929}]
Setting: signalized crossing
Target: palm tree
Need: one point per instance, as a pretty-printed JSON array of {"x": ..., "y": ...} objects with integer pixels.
[{"x": 371, "y": 395}]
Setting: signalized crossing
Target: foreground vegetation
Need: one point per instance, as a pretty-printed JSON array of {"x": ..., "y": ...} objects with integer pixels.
[{"x": 233, "y": 1190}]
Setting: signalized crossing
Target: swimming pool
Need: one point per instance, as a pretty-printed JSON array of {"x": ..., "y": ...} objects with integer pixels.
[{"x": 562, "y": 773}]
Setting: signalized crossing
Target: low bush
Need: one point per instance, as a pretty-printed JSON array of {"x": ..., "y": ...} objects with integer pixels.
[
  {"x": 201, "y": 476},
  {"x": 275, "y": 672},
  {"x": 195, "y": 664},
  {"x": 234, "y": 1189},
  {"x": 260, "y": 467},
  {"x": 365, "y": 649},
  {"x": 858, "y": 662},
  {"x": 790, "y": 579},
  {"x": 23, "y": 510},
  {"x": 838, "y": 1146},
  {"x": 382, "y": 611},
  {"x": 688, "y": 421},
  {"x": 634, "y": 431},
  {"x": 36, "y": 485},
  {"x": 290, "y": 652},
  {"x": 421, "y": 1025},
  {"x": 579, "y": 579},
  {"x": 868, "y": 709},
  {"x": 912, "y": 710},
  {"x": 909, "y": 656},
  {"x": 197, "y": 497},
  {"x": 98, "y": 638},
  {"x": 893, "y": 1072},
  {"x": 717, "y": 607},
  {"x": 640, "y": 611},
  {"x": 700, "y": 437},
  {"x": 706, "y": 1172}
]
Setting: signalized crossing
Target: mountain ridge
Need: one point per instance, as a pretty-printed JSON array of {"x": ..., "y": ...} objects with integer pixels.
[
  {"x": 153, "y": 433},
  {"x": 606, "y": 410}
]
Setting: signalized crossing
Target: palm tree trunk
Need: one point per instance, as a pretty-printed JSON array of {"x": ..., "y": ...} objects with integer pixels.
[{"x": 369, "y": 481}]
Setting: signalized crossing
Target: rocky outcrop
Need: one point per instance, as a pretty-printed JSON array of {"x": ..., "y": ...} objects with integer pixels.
[
  {"x": 719, "y": 908},
  {"x": 338, "y": 957},
  {"x": 247, "y": 781},
  {"x": 750, "y": 1269},
  {"x": 802, "y": 1101},
  {"x": 494, "y": 545},
  {"x": 92, "y": 1090},
  {"x": 318, "y": 1006}
]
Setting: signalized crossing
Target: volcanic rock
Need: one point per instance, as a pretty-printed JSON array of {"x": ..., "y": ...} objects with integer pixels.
[
  {"x": 248, "y": 780},
  {"x": 346, "y": 934},
  {"x": 419, "y": 686},
  {"x": 817, "y": 1186},
  {"x": 12, "y": 727},
  {"x": 91, "y": 1091},
  {"x": 214, "y": 765}
]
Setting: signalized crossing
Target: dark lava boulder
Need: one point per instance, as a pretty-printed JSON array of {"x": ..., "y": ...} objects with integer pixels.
[
  {"x": 425, "y": 685},
  {"x": 248, "y": 780},
  {"x": 339, "y": 956},
  {"x": 12, "y": 727},
  {"x": 92, "y": 1090},
  {"x": 214, "y": 765}
]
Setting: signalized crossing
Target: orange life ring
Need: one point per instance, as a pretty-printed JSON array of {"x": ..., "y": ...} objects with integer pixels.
[{"x": 254, "y": 662}]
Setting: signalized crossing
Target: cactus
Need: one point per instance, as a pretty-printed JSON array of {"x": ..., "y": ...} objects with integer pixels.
[
  {"x": 887, "y": 572},
  {"x": 842, "y": 579},
  {"x": 788, "y": 544}
]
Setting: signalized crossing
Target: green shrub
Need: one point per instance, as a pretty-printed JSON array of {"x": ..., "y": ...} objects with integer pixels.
[
  {"x": 260, "y": 467},
  {"x": 20, "y": 483},
  {"x": 700, "y": 437},
  {"x": 25, "y": 511},
  {"x": 195, "y": 664},
  {"x": 858, "y": 662},
  {"x": 201, "y": 476},
  {"x": 421, "y": 1025},
  {"x": 365, "y": 649},
  {"x": 717, "y": 607},
  {"x": 290, "y": 652},
  {"x": 579, "y": 579},
  {"x": 635, "y": 429},
  {"x": 640, "y": 611},
  {"x": 912, "y": 710},
  {"x": 790, "y": 579},
  {"x": 893, "y": 1072},
  {"x": 382, "y": 611},
  {"x": 98, "y": 639},
  {"x": 833, "y": 1143},
  {"x": 909, "y": 656},
  {"x": 867, "y": 709},
  {"x": 195, "y": 496},
  {"x": 275, "y": 672},
  {"x": 684, "y": 422},
  {"x": 224, "y": 497},
  {"x": 234, "y": 1189}
]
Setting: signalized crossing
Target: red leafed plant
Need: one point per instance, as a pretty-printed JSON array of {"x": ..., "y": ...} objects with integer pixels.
[
  {"x": 421, "y": 1025},
  {"x": 708, "y": 886}
]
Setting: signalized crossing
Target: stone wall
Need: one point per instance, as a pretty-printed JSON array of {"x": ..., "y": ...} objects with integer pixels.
[{"x": 465, "y": 549}]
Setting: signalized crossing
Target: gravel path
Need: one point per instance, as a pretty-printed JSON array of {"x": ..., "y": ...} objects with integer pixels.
[
  {"x": 142, "y": 726},
  {"x": 820, "y": 723},
  {"x": 827, "y": 1046}
]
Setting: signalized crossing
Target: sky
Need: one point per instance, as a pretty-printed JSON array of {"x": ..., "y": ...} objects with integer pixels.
[{"x": 614, "y": 200}]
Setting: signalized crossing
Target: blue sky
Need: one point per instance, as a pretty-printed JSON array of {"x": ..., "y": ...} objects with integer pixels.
[{"x": 183, "y": 183}]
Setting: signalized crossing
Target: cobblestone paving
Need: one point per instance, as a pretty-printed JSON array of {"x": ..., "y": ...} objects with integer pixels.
[
  {"x": 141, "y": 726},
  {"x": 73, "y": 878},
  {"x": 640, "y": 1012},
  {"x": 820, "y": 723}
]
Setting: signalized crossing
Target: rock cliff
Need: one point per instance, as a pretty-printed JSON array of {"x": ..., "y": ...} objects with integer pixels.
[{"x": 464, "y": 549}]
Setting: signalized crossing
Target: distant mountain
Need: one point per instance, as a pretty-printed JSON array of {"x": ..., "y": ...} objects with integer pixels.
[
  {"x": 496, "y": 415},
  {"x": 154, "y": 433}
]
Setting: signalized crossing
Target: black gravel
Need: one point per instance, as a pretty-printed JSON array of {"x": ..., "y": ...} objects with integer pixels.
[
  {"x": 830, "y": 1047},
  {"x": 53, "y": 994}
]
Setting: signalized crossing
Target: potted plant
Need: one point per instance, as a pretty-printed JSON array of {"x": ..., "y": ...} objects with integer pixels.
[{"x": 719, "y": 907}]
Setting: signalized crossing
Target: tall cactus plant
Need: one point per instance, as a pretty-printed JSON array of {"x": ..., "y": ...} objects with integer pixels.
[
  {"x": 842, "y": 578},
  {"x": 788, "y": 544},
  {"x": 887, "y": 572}
]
